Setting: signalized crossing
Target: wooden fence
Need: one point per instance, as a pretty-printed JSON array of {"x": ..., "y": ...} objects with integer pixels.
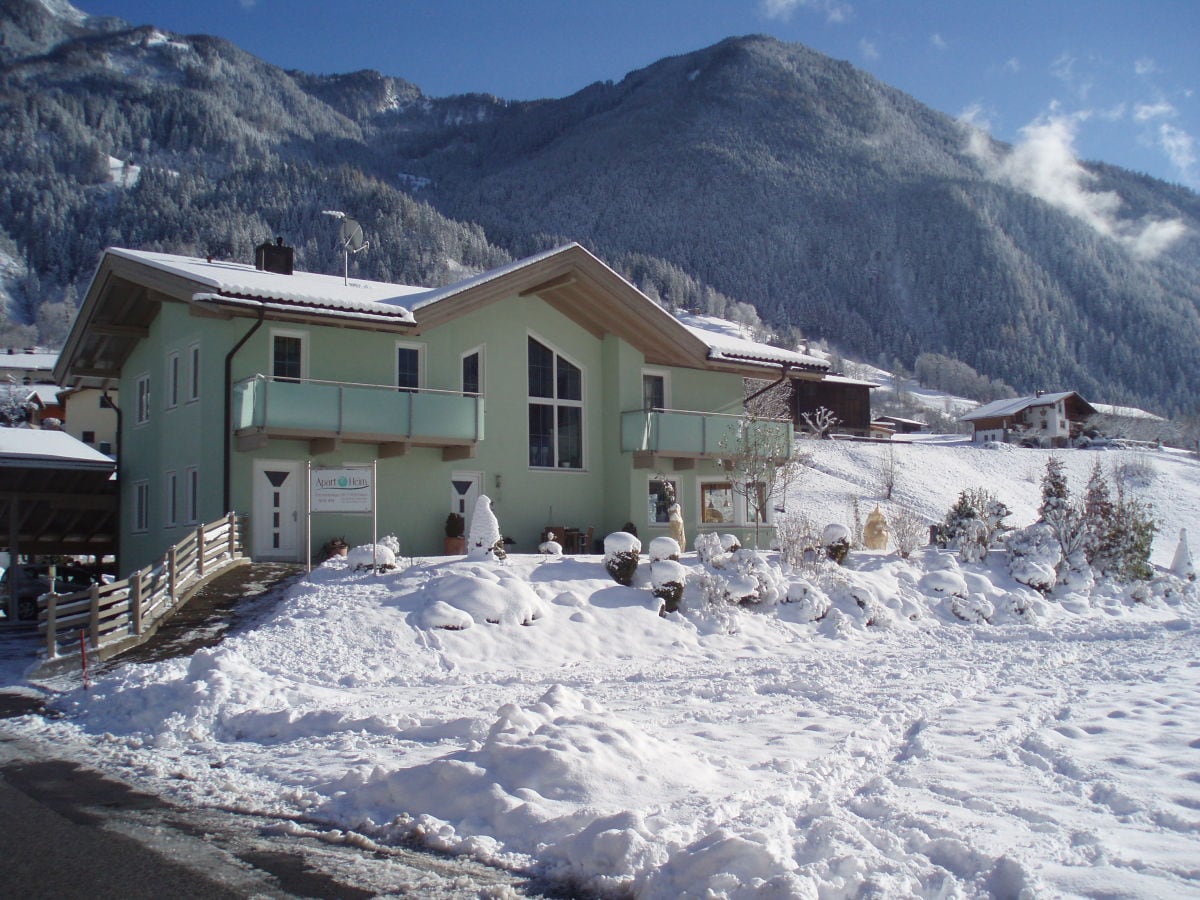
[{"x": 114, "y": 617}]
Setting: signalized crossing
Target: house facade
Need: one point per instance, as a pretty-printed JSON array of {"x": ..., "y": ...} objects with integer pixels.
[
  {"x": 849, "y": 399},
  {"x": 1047, "y": 419},
  {"x": 551, "y": 385}
]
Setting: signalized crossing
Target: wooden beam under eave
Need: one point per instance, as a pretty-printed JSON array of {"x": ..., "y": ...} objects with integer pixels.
[
  {"x": 317, "y": 446},
  {"x": 394, "y": 449},
  {"x": 248, "y": 443},
  {"x": 549, "y": 285},
  {"x": 450, "y": 454},
  {"x": 683, "y": 463},
  {"x": 645, "y": 459}
]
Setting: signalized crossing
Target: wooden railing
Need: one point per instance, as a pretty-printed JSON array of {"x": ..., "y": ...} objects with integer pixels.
[{"x": 114, "y": 617}]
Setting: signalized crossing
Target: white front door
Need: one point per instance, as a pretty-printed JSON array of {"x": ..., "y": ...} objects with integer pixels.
[
  {"x": 465, "y": 488},
  {"x": 277, "y": 519}
]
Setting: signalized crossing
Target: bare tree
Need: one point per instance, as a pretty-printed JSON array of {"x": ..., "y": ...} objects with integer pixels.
[
  {"x": 909, "y": 530},
  {"x": 820, "y": 421},
  {"x": 758, "y": 454}
]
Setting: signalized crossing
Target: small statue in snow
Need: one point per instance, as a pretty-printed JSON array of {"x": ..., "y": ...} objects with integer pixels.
[
  {"x": 675, "y": 524},
  {"x": 1182, "y": 566},
  {"x": 550, "y": 547},
  {"x": 875, "y": 532}
]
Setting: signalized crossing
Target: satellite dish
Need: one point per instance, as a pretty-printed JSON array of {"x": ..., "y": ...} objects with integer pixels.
[
  {"x": 352, "y": 236},
  {"x": 351, "y": 239}
]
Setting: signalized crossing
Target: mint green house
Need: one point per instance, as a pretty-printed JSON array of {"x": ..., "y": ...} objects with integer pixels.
[{"x": 551, "y": 385}]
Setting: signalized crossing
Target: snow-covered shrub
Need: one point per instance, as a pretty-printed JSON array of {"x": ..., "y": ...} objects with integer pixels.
[
  {"x": 973, "y": 523},
  {"x": 975, "y": 609},
  {"x": 909, "y": 531},
  {"x": 799, "y": 540},
  {"x": 1033, "y": 556},
  {"x": 668, "y": 578},
  {"x": 730, "y": 543},
  {"x": 708, "y": 546},
  {"x": 811, "y": 603},
  {"x": 944, "y": 583},
  {"x": 664, "y": 548},
  {"x": 836, "y": 541},
  {"x": 744, "y": 577},
  {"x": 621, "y": 551},
  {"x": 485, "y": 541},
  {"x": 392, "y": 543},
  {"x": 371, "y": 556},
  {"x": 973, "y": 541}
]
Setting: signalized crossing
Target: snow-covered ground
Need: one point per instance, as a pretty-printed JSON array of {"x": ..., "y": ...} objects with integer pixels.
[{"x": 889, "y": 748}]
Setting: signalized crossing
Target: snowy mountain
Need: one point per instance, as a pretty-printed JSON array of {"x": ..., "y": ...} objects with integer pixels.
[
  {"x": 750, "y": 171},
  {"x": 894, "y": 727}
]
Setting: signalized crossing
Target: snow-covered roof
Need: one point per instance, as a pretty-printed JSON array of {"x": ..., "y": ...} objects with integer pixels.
[
  {"x": 41, "y": 360},
  {"x": 843, "y": 379},
  {"x": 243, "y": 281},
  {"x": 1125, "y": 412},
  {"x": 435, "y": 294},
  {"x": 35, "y": 448},
  {"x": 1013, "y": 405},
  {"x": 46, "y": 394},
  {"x": 729, "y": 341}
]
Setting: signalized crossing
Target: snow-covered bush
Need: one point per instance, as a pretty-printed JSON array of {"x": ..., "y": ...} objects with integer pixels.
[
  {"x": 745, "y": 576},
  {"x": 730, "y": 543},
  {"x": 708, "y": 546},
  {"x": 485, "y": 541},
  {"x": 975, "y": 608},
  {"x": 392, "y": 543},
  {"x": 973, "y": 541},
  {"x": 369, "y": 556},
  {"x": 664, "y": 548},
  {"x": 621, "y": 551},
  {"x": 973, "y": 523},
  {"x": 1033, "y": 556},
  {"x": 909, "y": 531},
  {"x": 799, "y": 540},
  {"x": 836, "y": 541},
  {"x": 811, "y": 603},
  {"x": 668, "y": 578}
]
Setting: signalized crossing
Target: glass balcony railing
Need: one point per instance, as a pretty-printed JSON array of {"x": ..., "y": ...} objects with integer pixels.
[
  {"x": 364, "y": 411},
  {"x": 683, "y": 433}
]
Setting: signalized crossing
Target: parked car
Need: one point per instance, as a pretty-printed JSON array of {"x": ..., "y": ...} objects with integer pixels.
[{"x": 33, "y": 580}]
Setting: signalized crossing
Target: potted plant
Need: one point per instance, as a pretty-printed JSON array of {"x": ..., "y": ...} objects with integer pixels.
[{"x": 456, "y": 541}]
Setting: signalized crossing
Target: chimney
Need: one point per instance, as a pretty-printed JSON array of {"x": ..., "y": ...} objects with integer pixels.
[
  {"x": 1038, "y": 392},
  {"x": 275, "y": 257}
]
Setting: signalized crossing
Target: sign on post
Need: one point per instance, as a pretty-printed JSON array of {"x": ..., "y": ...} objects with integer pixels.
[{"x": 345, "y": 490}]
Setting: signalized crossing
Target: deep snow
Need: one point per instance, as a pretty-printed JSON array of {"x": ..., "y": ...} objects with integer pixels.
[{"x": 534, "y": 713}]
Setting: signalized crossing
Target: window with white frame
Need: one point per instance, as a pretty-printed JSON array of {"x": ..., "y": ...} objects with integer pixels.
[
  {"x": 409, "y": 365},
  {"x": 472, "y": 371},
  {"x": 656, "y": 392},
  {"x": 193, "y": 390},
  {"x": 555, "y": 409},
  {"x": 716, "y": 503},
  {"x": 172, "y": 380},
  {"x": 289, "y": 359},
  {"x": 659, "y": 497},
  {"x": 171, "y": 500},
  {"x": 191, "y": 486},
  {"x": 142, "y": 409},
  {"x": 141, "y": 506}
]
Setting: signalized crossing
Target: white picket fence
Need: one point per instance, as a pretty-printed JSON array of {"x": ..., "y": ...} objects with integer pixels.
[{"x": 111, "y": 618}]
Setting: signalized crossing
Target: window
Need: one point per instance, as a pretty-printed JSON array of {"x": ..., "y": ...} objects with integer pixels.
[
  {"x": 654, "y": 390},
  {"x": 193, "y": 372},
  {"x": 287, "y": 356},
  {"x": 716, "y": 503},
  {"x": 660, "y": 497},
  {"x": 141, "y": 506},
  {"x": 408, "y": 367},
  {"x": 192, "y": 501},
  {"x": 171, "y": 500},
  {"x": 472, "y": 372},
  {"x": 105, "y": 448},
  {"x": 88, "y": 437},
  {"x": 555, "y": 409},
  {"x": 756, "y": 503},
  {"x": 172, "y": 380},
  {"x": 142, "y": 411}
]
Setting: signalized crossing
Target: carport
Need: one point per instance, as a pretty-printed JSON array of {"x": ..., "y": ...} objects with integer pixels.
[{"x": 58, "y": 496}]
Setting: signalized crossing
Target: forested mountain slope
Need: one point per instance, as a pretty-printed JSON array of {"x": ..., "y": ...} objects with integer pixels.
[{"x": 752, "y": 170}]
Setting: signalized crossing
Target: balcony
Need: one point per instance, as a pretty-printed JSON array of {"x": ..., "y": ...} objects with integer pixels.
[
  {"x": 684, "y": 436},
  {"x": 326, "y": 413}
]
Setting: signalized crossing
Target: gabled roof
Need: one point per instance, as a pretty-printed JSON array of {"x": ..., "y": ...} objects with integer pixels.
[
  {"x": 999, "y": 409},
  {"x": 129, "y": 285}
]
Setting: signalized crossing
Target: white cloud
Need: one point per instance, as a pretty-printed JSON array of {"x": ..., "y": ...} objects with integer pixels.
[
  {"x": 1144, "y": 112},
  {"x": 1065, "y": 69},
  {"x": 1180, "y": 148},
  {"x": 1012, "y": 65},
  {"x": 1043, "y": 163},
  {"x": 938, "y": 42},
  {"x": 248, "y": 4},
  {"x": 1145, "y": 66},
  {"x": 868, "y": 49},
  {"x": 834, "y": 11}
]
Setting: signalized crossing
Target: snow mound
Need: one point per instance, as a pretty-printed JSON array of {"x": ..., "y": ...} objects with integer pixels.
[{"x": 459, "y": 600}]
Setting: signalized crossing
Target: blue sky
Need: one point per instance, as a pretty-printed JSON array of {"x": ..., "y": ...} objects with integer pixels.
[{"x": 1112, "y": 80}]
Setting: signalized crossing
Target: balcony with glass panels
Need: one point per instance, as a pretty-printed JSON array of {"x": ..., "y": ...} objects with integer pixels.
[
  {"x": 655, "y": 435},
  {"x": 326, "y": 413}
]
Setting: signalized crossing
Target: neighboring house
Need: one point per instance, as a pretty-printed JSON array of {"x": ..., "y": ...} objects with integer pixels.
[
  {"x": 29, "y": 366},
  {"x": 44, "y": 405},
  {"x": 91, "y": 417},
  {"x": 1047, "y": 419},
  {"x": 552, "y": 385},
  {"x": 900, "y": 425},
  {"x": 849, "y": 399},
  {"x": 1130, "y": 423}
]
